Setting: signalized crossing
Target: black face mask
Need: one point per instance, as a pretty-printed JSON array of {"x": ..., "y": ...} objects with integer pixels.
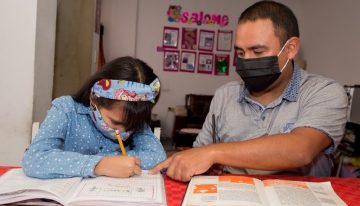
[{"x": 258, "y": 73}]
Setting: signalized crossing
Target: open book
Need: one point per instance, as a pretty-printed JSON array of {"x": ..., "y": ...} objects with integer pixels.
[
  {"x": 16, "y": 187},
  {"x": 240, "y": 190}
]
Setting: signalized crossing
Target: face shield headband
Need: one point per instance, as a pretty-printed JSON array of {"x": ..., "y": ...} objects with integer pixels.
[{"x": 126, "y": 90}]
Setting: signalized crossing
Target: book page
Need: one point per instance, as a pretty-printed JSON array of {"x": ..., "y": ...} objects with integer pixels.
[
  {"x": 285, "y": 192},
  {"x": 143, "y": 189},
  {"x": 223, "y": 191},
  {"x": 16, "y": 186}
]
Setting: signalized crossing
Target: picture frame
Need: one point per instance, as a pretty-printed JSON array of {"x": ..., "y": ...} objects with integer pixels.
[
  {"x": 235, "y": 58},
  {"x": 205, "y": 63},
  {"x": 170, "y": 37},
  {"x": 189, "y": 38},
  {"x": 224, "y": 40},
  {"x": 222, "y": 64},
  {"x": 171, "y": 60},
  {"x": 188, "y": 61},
  {"x": 206, "y": 40}
]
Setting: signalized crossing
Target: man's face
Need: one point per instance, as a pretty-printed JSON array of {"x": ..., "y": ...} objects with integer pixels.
[{"x": 256, "y": 39}]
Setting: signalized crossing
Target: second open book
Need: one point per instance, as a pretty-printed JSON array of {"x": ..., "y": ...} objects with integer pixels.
[{"x": 240, "y": 190}]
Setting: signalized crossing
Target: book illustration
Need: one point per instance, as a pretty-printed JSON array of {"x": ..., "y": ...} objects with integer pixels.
[{"x": 205, "y": 188}]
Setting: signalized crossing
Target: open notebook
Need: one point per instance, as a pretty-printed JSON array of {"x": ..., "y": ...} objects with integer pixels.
[{"x": 144, "y": 189}]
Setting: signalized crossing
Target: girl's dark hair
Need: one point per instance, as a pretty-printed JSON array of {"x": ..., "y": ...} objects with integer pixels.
[
  {"x": 136, "y": 113},
  {"x": 283, "y": 19}
]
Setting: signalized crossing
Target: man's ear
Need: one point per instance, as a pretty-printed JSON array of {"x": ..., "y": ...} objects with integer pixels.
[{"x": 293, "y": 47}]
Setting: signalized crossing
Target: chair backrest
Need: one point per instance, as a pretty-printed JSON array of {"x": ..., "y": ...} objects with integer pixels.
[
  {"x": 197, "y": 107},
  {"x": 34, "y": 130},
  {"x": 157, "y": 132}
]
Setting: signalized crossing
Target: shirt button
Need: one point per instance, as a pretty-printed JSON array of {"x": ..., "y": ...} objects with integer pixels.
[{"x": 101, "y": 148}]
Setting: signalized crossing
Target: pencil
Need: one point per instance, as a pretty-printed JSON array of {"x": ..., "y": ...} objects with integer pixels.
[
  {"x": 213, "y": 129},
  {"x": 121, "y": 144}
]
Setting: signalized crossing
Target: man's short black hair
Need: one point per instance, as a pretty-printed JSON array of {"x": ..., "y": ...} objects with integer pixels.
[{"x": 283, "y": 19}]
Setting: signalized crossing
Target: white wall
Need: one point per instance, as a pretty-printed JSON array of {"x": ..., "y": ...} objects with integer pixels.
[
  {"x": 17, "y": 36},
  {"x": 44, "y": 57},
  {"x": 119, "y": 19},
  {"x": 19, "y": 44},
  {"x": 329, "y": 31},
  {"x": 330, "y": 39},
  {"x": 118, "y": 16},
  {"x": 175, "y": 85}
]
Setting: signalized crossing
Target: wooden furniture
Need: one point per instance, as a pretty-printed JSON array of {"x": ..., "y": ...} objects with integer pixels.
[{"x": 186, "y": 127}]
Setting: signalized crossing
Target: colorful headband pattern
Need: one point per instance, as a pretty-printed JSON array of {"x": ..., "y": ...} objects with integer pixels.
[{"x": 126, "y": 90}]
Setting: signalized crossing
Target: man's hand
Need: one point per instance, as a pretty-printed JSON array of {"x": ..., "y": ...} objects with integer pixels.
[
  {"x": 183, "y": 165},
  {"x": 118, "y": 166}
]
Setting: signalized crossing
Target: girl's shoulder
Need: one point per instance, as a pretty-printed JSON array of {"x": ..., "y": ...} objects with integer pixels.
[{"x": 68, "y": 104}]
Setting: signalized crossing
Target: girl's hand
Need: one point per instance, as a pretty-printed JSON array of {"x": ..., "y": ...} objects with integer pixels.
[{"x": 118, "y": 166}]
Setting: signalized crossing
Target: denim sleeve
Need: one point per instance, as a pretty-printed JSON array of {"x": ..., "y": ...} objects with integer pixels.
[
  {"x": 147, "y": 148},
  {"x": 46, "y": 158}
]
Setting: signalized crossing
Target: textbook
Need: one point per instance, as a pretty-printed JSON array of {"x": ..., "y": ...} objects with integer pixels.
[
  {"x": 240, "y": 190},
  {"x": 144, "y": 189}
]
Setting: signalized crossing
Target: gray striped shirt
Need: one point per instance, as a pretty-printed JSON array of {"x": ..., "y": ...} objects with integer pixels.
[{"x": 308, "y": 101}]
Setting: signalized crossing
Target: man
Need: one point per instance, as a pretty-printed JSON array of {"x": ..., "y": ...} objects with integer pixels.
[{"x": 281, "y": 119}]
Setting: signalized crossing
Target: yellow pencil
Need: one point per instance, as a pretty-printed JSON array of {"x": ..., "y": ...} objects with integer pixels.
[{"x": 121, "y": 144}]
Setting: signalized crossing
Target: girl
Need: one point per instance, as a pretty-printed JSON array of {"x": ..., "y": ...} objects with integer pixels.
[{"x": 80, "y": 135}]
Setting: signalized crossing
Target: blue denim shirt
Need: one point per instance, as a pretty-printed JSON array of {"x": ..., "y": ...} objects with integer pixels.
[{"x": 68, "y": 144}]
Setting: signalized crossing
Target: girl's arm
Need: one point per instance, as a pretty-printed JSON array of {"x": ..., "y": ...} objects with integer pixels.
[
  {"x": 46, "y": 158},
  {"x": 147, "y": 148}
]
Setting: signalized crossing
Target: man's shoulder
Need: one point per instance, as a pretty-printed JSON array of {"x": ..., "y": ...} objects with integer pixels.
[
  {"x": 230, "y": 87},
  {"x": 317, "y": 83}
]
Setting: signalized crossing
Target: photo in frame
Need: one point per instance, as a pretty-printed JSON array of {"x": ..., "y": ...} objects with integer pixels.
[
  {"x": 222, "y": 63},
  {"x": 205, "y": 63},
  {"x": 171, "y": 60},
  {"x": 189, "y": 38},
  {"x": 170, "y": 37},
  {"x": 206, "y": 40},
  {"x": 224, "y": 41},
  {"x": 188, "y": 61}
]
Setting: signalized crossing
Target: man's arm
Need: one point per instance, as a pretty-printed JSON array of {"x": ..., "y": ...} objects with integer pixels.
[
  {"x": 321, "y": 123},
  {"x": 275, "y": 152}
]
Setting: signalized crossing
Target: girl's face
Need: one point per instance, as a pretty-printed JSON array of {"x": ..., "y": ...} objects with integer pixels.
[{"x": 113, "y": 117}]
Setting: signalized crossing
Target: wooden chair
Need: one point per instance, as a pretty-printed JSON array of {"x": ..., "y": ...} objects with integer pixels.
[{"x": 187, "y": 127}]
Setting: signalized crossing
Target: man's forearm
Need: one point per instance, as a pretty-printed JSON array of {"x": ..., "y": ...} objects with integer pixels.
[{"x": 276, "y": 152}]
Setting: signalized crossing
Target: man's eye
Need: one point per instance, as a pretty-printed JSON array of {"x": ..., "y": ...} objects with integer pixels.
[
  {"x": 258, "y": 52},
  {"x": 240, "y": 54}
]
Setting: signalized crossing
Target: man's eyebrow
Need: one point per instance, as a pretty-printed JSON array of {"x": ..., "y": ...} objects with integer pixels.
[
  {"x": 252, "y": 47},
  {"x": 237, "y": 48},
  {"x": 258, "y": 47}
]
